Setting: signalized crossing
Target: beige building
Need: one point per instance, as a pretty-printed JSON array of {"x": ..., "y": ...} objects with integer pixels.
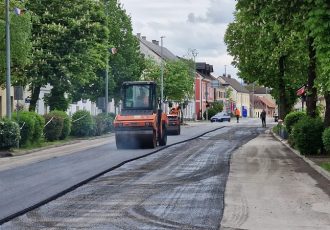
[{"x": 239, "y": 95}]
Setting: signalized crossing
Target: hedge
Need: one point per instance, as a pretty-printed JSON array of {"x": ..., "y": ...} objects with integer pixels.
[
  {"x": 104, "y": 123},
  {"x": 54, "y": 126},
  {"x": 31, "y": 126},
  {"x": 307, "y": 135},
  {"x": 9, "y": 134},
  {"x": 292, "y": 118},
  {"x": 66, "y": 129},
  {"x": 82, "y": 124},
  {"x": 326, "y": 139}
]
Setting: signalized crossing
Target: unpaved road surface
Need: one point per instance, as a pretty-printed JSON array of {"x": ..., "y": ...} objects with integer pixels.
[
  {"x": 181, "y": 187},
  {"x": 270, "y": 187}
]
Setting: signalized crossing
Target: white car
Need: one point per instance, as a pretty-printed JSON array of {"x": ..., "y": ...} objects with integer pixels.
[{"x": 220, "y": 117}]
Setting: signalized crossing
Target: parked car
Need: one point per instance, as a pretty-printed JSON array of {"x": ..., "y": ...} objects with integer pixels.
[{"x": 220, "y": 117}]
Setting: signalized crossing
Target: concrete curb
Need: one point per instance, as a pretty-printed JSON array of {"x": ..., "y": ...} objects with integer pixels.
[{"x": 318, "y": 168}]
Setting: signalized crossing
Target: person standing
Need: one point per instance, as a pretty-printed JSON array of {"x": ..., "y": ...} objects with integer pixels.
[
  {"x": 237, "y": 114},
  {"x": 263, "y": 118}
]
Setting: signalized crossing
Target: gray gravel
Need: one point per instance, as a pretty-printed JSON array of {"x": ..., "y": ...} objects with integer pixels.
[{"x": 181, "y": 187}]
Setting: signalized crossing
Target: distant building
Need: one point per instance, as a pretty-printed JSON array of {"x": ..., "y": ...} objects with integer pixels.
[
  {"x": 203, "y": 91},
  {"x": 240, "y": 96}
]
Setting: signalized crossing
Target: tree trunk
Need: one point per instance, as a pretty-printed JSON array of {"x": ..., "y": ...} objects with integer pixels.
[
  {"x": 34, "y": 98},
  {"x": 281, "y": 86},
  {"x": 311, "y": 97},
  {"x": 327, "y": 109}
]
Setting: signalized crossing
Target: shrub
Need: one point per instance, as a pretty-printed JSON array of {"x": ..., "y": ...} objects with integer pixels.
[
  {"x": 9, "y": 134},
  {"x": 38, "y": 127},
  {"x": 27, "y": 122},
  {"x": 307, "y": 135},
  {"x": 82, "y": 124},
  {"x": 54, "y": 126},
  {"x": 292, "y": 118},
  {"x": 66, "y": 123},
  {"x": 326, "y": 139},
  {"x": 211, "y": 112},
  {"x": 104, "y": 123}
]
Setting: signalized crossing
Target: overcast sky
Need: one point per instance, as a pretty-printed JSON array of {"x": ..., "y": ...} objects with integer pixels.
[{"x": 186, "y": 24}]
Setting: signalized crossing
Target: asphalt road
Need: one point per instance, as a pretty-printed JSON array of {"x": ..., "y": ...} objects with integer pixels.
[
  {"x": 32, "y": 178},
  {"x": 181, "y": 187}
]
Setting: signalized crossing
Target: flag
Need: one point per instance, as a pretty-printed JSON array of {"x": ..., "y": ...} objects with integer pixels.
[{"x": 301, "y": 91}]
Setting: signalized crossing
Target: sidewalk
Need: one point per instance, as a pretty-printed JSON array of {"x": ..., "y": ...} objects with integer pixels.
[{"x": 270, "y": 187}]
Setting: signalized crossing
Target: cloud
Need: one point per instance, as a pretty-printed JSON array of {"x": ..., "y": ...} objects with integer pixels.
[
  {"x": 219, "y": 11},
  {"x": 186, "y": 24}
]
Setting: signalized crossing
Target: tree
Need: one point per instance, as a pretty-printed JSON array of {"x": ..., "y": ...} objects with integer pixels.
[
  {"x": 69, "y": 43},
  {"x": 318, "y": 25},
  {"x": 20, "y": 26},
  {"x": 127, "y": 64},
  {"x": 267, "y": 49},
  {"x": 178, "y": 83}
]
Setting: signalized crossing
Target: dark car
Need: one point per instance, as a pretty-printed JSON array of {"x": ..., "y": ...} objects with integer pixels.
[{"x": 220, "y": 117}]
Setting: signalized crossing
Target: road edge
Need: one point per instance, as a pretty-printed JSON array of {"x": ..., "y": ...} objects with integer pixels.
[{"x": 316, "y": 167}]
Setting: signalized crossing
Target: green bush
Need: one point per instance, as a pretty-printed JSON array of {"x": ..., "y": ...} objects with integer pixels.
[
  {"x": 104, "y": 123},
  {"x": 292, "y": 118},
  {"x": 326, "y": 139},
  {"x": 9, "y": 134},
  {"x": 54, "y": 126},
  {"x": 27, "y": 123},
  {"x": 66, "y": 123},
  {"x": 211, "y": 112},
  {"x": 38, "y": 128},
  {"x": 82, "y": 124},
  {"x": 307, "y": 135}
]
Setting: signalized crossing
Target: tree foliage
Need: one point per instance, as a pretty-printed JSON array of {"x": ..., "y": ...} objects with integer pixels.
[
  {"x": 177, "y": 79},
  {"x": 127, "y": 63},
  {"x": 69, "y": 43},
  {"x": 268, "y": 49},
  {"x": 20, "y": 41}
]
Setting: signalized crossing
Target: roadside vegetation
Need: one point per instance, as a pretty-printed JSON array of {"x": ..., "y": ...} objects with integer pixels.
[
  {"x": 285, "y": 45},
  {"x": 29, "y": 130},
  {"x": 69, "y": 45}
]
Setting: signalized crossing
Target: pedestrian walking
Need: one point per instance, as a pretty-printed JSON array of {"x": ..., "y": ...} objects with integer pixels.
[
  {"x": 263, "y": 118},
  {"x": 237, "y": 114}
]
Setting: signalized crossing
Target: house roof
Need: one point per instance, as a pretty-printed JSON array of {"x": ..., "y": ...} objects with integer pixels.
[
  {"x": 205, "y": 70},
  {"x": 157, "y": 49},
  {"x": 261, "y": 90},
  {"x": 265, "y": 101},
  {"x": 235, "y": 84}
]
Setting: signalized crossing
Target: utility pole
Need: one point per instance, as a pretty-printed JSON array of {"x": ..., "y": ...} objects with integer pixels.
[
  {"x": 106, "y": 99},
  {"x": 161, "y": 72},
  {"x": 8, "y": 84},
  {"x": 194, "y": 54},
  {"x": 225, "y": 70}
]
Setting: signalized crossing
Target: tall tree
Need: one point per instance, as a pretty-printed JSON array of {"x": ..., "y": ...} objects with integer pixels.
[
  {"x": 318, "y": 25},
  {"x": 69, "y": 43},
  {"x": 267, "y": 49},
  {"x": 127, "y": 64},
  {"x": 20, "y": 26}
]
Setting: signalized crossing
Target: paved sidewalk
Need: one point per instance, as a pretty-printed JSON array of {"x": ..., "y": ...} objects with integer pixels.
[{"x": 270, "y": 187}]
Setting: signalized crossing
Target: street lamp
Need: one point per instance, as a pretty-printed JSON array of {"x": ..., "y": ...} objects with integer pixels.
[
  {"x": 161, "y": 72},
  {"x": 194, "y": 54},
  {"x": 8, "y": 84}
]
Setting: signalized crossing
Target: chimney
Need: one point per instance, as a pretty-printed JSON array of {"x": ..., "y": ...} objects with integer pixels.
[
  {"x": 155, "y": 42},
  {"x": 138, "y": 35},
  {"x": 144, "y": 38},
  {"x": 229, "y": 76}
]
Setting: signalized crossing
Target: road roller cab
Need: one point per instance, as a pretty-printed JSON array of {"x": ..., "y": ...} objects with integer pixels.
[{"x": 141, "y": 122}]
